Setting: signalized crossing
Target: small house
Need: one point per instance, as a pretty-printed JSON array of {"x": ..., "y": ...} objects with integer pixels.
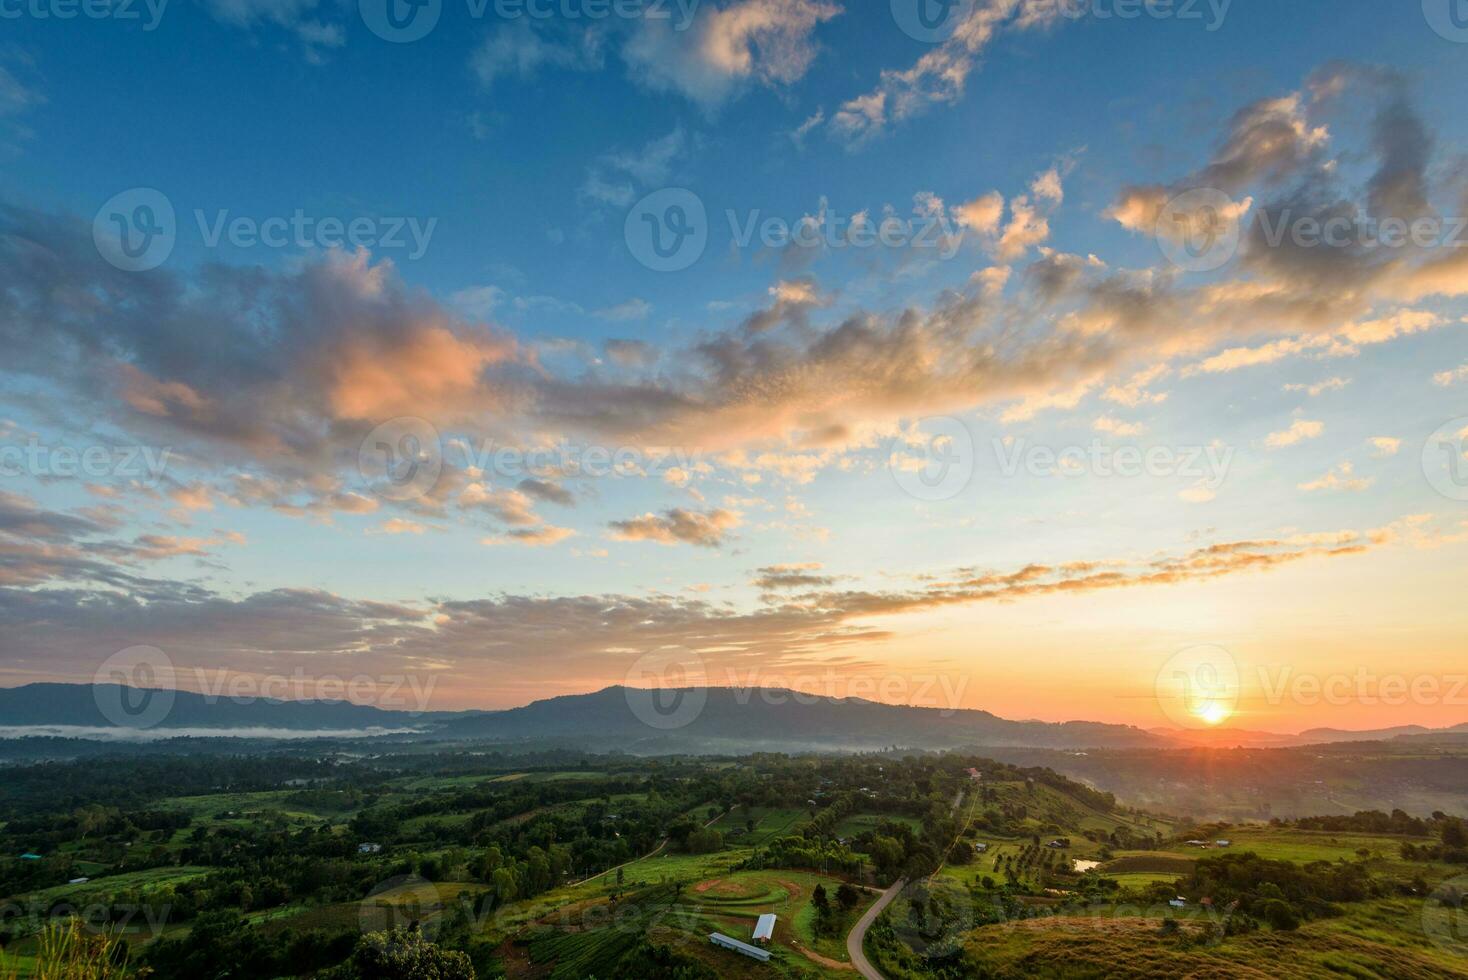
[
  {"x": 764, "y": 929},
  {"x": 368, "y": 848},
  {"x": 30, "y": 857},
  {"x": 980, "y": 847},
  {"x": 78, "y": 881},
  {"x": 1223, "y": 843},
  {"x": 1179, "y": 903}
]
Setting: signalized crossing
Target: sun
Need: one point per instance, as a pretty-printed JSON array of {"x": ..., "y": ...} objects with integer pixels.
[{"x": 1213, "y": 712}]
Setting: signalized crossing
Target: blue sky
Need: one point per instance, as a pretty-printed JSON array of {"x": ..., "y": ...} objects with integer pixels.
[{"x": 800, "y": 388}]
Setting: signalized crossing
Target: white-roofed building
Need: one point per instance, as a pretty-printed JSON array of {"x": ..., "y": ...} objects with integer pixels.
[
  {"x": 753, "y": 952},
  {"x": 764, "y": 930}
]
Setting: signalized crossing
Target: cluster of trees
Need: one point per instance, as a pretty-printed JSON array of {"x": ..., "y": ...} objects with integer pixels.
[
  {"x": 402, "y": 954},
  {"x": 221, "y": 939},
  {"x": 540, "y": 870},
  {"x": 1279, "y": 892},
  {"x": 832, "y": 918},
  {"x": 1366, "y": 822},
  {"x": 800, "y": 852}
]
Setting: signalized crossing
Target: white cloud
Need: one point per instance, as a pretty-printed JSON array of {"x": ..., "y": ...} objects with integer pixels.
[
  {"x": 615, "y": 177},
  {"x": 519, "y": 49},
  {"x": 1116, "y": 427},
  {"x": 1319, "y": 387},
  {"x": 1299, "y": 431},
  {"x": 768, "y": 42},
  {"x": 1446, "y": 378},
  {"x": 1341, "y": 477},
  {"x": 635, "y": 308},
  {"x": 1385, "y": 445}
]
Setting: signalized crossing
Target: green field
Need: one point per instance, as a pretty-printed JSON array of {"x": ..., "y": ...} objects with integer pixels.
[
  {"x": 1376, "y": 940},
  {"x": 860, "y": 823},
  {"x": 769, "y": 823},
  {"x": 101, "y": 889}
]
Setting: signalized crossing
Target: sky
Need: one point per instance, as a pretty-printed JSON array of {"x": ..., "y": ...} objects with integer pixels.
[{"x": 1062, "y": 359}]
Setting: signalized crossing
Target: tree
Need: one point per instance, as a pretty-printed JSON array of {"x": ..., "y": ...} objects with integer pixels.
[
  {"x": 819, "y": 900},
  {"x": 504, "y": 885},
  {"x": 404, "y": 955},
  {"x": 847, "y": 897},
  {"x": 1280, "y": 915}
]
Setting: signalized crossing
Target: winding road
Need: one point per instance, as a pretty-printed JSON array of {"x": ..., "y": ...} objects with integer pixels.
[{"x": 859, "y": 933}]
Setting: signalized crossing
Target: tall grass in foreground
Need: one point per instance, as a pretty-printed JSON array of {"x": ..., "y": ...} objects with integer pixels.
[{"x": 68, "y": 952}]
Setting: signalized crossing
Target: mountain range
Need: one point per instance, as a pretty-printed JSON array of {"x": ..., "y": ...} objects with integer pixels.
[{"x": 702, "y": 720}]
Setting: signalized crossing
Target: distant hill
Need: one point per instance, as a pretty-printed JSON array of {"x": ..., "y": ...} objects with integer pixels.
[
  {"x": 1238, "y": 737},
  {"x": 81, "y": 705},
  {"x": 714, "y": 720},
  {"x": 778, "y": 717}
]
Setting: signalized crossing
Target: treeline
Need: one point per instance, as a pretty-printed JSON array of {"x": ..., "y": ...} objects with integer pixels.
[
  {"x": 130, "y": 783},
  {"x": 1367, "y": 822},
  {"x": 1279, "y": 892}
]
